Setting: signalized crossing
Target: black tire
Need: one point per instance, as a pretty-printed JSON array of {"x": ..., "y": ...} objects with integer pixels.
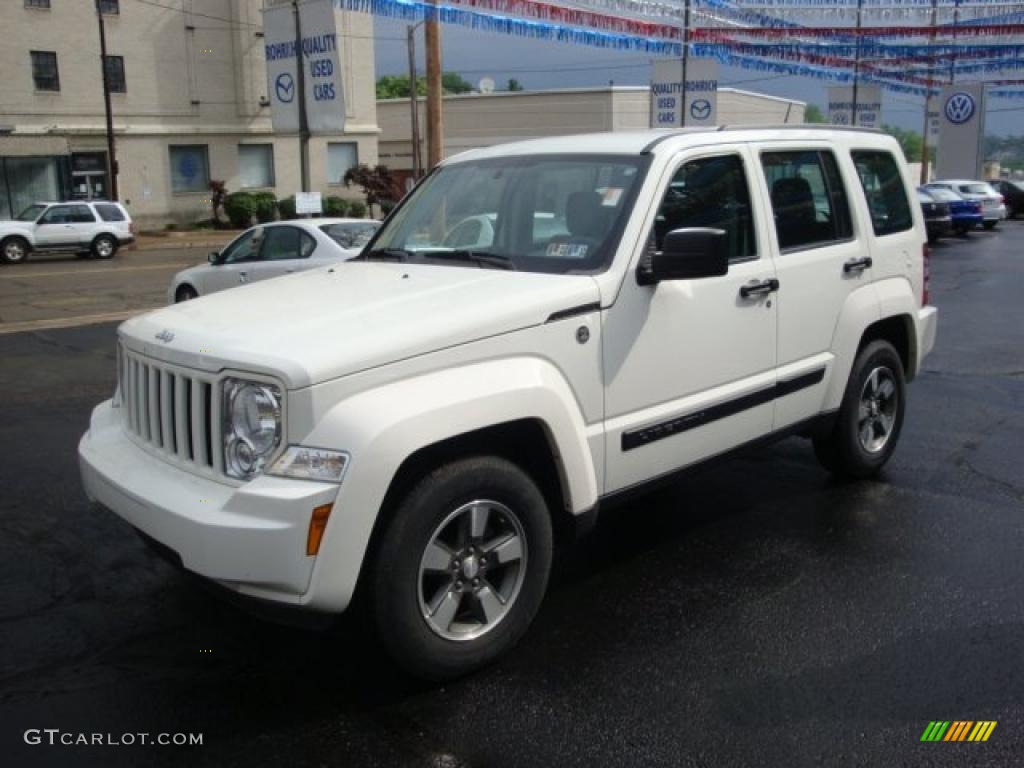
[
  {"x": 399, "y": 592},
  {"x": 185, "y": 293},
  {"x": 962, "y": 231},
  {"x": 14, "y": 250},
  {"x": 990, "y": 224},
  {"x": 104, "y": 247},
  {"x": 842, "y": 451}
]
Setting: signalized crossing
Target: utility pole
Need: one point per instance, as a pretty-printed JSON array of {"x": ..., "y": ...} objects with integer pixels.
[
  {"x": 928, "y": 98},
  {"x": 414, "y": 107},
  {"x": 856, "y": 65},
  {"x": 435, "y": 122},
  {"x": 686, "y": 55},
  {"x": 300, "y": 95},
  {"x": 111, "y": 157}
]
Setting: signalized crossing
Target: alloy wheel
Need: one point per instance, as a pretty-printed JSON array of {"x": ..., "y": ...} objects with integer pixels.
[{"x": 876, "y": 415}]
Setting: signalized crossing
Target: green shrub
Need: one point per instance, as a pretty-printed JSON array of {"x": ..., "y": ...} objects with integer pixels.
[
  {"x": 266, "y": 206},
  {"x": 335, "y": 206},
  {"x": 170, "y": 226},
  {"x": 287, "y": 208},
  {"x": 240, "y": 208},
  {"x": 357, "y": 210}
]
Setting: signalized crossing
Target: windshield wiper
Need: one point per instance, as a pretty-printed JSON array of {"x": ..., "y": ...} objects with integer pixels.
[
  {"x": 386, "y": 254},
  {"x": 479, "y": 257}
]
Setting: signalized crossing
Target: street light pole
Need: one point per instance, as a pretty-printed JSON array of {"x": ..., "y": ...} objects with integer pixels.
[
  {"x": 111, "y": 157},
  {"x": 686, "y": 55},
  {"x": 435, "y": 122},
  {"x": 300, "y": 95},
  {"x": 928, "y": 98},
  {"x": 414, "y": 109},
  {"x": 856, "y": 64}
]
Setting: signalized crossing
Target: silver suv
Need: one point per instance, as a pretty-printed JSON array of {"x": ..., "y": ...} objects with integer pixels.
[{"x": 96, "y": 228}]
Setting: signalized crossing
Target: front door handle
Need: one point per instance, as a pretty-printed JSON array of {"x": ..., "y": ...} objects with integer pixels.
[
  {"x": 857, "y": 265},
  {"x": 242, "y": 276},
  {"x": 758, "y": 288}
]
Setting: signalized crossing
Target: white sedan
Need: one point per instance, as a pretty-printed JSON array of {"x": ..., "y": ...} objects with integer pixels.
[
  {"x": 270, "y": 250},
  {"x": 993, "y": 207}
]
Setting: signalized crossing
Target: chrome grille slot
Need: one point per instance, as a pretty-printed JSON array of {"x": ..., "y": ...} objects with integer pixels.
[{"x": 173, "y": 411}]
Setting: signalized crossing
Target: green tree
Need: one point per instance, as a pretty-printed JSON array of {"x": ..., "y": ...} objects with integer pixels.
[
  {"x": 452, "y": 82},
  {"x": 910, "y": 141},
  {"x": 813, "y": 114},
  {"x": 514, "y": 85},
  {"x": 397, "y": 86}
]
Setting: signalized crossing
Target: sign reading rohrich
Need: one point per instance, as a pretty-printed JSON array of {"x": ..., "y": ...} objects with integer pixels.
[
  {"x": 668, "y": 107},
  {"x": 961, "y": 131},
  {"x": 325, "y": 100},
  {"x": 869, "y": 105}
]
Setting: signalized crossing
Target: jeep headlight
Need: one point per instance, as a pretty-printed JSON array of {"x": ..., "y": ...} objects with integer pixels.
[{"x": 252, "y": 426}]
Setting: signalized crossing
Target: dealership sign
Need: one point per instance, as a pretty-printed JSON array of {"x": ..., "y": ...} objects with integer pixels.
[
  {"x": 961, "y": 131},
  {"x": 325, "y": 100},
  {"x": 675, "y": 103},
  {"x": 869, "y": 105}
]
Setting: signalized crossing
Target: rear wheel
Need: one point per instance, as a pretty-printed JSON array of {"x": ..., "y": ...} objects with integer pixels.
[
  {"x": 461, "y": 568},
  {"x": 14, "y": 250},
  {"x": 990, "y": 224},
  {"x": 870, "y": 418},
  {"x": 104, "y": 247}
]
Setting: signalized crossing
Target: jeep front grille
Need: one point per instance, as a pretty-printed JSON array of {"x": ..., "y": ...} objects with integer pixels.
[{"x": 172, "y": 410}]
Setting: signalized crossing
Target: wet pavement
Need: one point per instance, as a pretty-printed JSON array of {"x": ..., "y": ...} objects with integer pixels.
[{"x": 757, "y": 613}]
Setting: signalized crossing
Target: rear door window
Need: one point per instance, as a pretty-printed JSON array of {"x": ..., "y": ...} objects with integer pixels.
[
  {"x": 809, "y": 201},
  {"x": 883, "y": 188}
]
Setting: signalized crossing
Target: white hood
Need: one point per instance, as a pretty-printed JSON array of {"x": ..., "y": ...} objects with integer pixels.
[{"x": 330, "y": 322}]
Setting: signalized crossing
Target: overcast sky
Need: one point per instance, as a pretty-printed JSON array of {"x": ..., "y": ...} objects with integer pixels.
[{"x": 542, "y": 65}]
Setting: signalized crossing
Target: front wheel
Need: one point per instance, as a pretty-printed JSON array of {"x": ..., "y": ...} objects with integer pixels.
[
  {"x": 185, "y": 293},
  {"x": 990, "y": 224},
  {"x": 14, "y": 250},
  {"x": 461, "y": 568},
  {"x": 104, "y": 247},
  {"x": 871, "y": 415}
]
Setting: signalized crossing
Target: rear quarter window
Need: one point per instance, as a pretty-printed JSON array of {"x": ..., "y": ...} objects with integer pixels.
[
  {"x": 883, "y": 187},
  {"x": 110, "y": 213}
]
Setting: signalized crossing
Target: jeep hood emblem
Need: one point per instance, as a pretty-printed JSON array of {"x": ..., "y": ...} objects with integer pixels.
[{"x": 165, "y": 336}]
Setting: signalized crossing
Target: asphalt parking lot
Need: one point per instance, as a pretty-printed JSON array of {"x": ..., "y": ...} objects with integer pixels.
[{"x": 756, "y": 614}]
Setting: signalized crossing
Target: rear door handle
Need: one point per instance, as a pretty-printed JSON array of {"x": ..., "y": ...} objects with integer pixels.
[
  {"x": 759, "y": 288},
  {"x": 857, "y": 265},
  {"x": 242, "y": 277}
]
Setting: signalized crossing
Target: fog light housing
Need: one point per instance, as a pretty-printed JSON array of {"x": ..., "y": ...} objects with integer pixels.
[{"x": 304, "y": 463}]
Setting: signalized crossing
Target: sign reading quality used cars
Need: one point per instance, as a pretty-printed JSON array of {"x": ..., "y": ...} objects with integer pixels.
[{"x": 325, "y": 99}]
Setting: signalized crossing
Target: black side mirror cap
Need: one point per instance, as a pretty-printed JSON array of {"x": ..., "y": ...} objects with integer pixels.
[
  {"x": 687, "y": 254},
  {"x": 213, "y": 257}
]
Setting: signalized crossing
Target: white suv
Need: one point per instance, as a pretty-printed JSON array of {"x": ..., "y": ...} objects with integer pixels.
[
  {"x": 95, "y": 228},
  {"x": 414, "y": 423}
]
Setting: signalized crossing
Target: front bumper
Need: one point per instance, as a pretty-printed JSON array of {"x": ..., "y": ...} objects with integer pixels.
[{"x": 250, "y": 538}]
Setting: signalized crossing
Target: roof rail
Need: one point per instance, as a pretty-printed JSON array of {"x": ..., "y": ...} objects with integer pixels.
[{"x": 761, "y": 127}]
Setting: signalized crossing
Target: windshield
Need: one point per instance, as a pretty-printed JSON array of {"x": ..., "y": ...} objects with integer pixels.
[
  {"x": 31, "y": 213},
  {"x": 541, "y": 213}
]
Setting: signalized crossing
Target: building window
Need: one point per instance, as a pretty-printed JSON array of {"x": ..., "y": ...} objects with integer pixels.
[
  {"x": 341, "y": 156},
  {"x": 256, "y": 165},
  {"x": 37, "y": 4},
  {"x": 110, "y": 6},
  {"x": 115, "y": 74},
  {"x": 44, "y": 70},
  {"x": 190, "y": 168}
]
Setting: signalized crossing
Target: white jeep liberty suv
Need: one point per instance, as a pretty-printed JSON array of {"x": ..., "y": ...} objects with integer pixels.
[{"x": 538, "y": 329}]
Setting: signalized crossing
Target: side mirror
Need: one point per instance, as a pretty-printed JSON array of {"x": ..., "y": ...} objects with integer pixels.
[
  {"x": 686, "y": 254},
  {"x": 213, "y": 257}
]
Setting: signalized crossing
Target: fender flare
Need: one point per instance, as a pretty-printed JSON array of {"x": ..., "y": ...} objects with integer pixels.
[{"x": 383, "y": 426}]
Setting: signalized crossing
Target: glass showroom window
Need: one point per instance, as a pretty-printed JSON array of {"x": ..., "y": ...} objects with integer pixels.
[
  {"x": 256, "y": 165},
  {"x": 341, "y": 155},
  {"x": 190, "y": 168}
]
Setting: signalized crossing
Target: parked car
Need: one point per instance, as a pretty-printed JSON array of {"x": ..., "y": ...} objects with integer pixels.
[
  {"x": 965, "y": 214},
  {"x": 1013, "y": 195},
  {"x": 415, "y": 423},
  {"x": 993, "y": 209},
  {"x": 937, "y": 218},
  {"x": 96, "y": 228},
  {"x": 270, "y": 250}
]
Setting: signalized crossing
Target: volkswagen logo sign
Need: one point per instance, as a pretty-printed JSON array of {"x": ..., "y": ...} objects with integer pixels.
[
  {"x": 959, "y": 108},
  {"x": 165, "y": 336}
]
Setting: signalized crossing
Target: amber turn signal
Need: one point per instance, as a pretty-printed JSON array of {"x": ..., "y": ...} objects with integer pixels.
[{"x": 317, "y": 525}]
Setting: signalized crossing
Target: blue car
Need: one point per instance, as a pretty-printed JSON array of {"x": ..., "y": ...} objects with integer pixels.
[{"x": 966, "y": 214}]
